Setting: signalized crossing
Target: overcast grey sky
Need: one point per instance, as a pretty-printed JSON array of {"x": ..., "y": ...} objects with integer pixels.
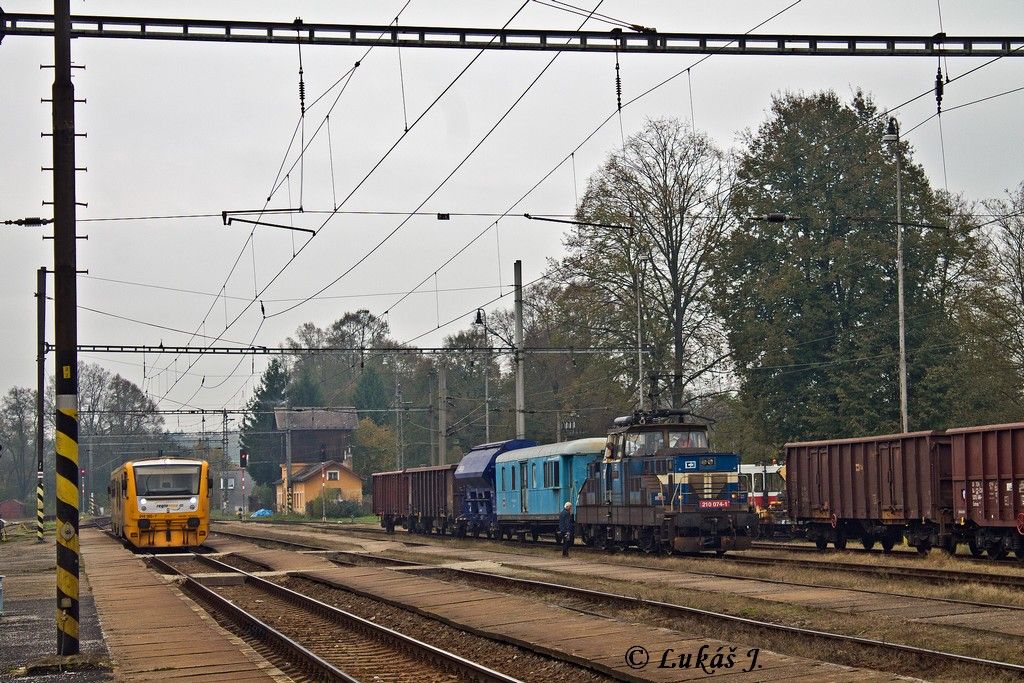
[{"x": 186, "y": 128}]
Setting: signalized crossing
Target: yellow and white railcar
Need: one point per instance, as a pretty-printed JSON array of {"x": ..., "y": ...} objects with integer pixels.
[{"x": 161, "y": 503}]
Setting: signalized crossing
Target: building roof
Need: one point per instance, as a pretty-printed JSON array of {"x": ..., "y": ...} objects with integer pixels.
[
  {"x": 312, "y": 471},
  {"x": 312, "y": 419}
]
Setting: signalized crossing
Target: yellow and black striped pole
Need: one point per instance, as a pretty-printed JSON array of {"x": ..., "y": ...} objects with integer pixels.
[
  {"x": 40, "y": 512},
  {"x": 66, "y": 332},
  {"x": 40, "y": 389}
]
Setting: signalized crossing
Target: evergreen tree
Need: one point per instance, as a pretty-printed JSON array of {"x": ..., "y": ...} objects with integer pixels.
[
  {"x": 372, "y": 395},
  {"x": 258, "y": 432}
]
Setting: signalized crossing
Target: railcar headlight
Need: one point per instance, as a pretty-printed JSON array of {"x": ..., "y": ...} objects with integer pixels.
[
  {"x": 192, "y": 502},
  {"x": 142, "y": 501}
]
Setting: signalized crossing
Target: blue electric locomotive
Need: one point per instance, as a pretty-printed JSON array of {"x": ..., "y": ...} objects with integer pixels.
[
  {"x": 660, "y": 488},
  {"x": 532, "y": 484}
]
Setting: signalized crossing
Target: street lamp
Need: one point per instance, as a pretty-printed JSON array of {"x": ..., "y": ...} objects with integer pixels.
[
  {"x": 892, "y": 135},
  {"x": 481, "y": 322}
]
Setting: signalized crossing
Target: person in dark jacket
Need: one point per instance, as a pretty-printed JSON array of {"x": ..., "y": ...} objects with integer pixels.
[{"x": 567, "y": 528}]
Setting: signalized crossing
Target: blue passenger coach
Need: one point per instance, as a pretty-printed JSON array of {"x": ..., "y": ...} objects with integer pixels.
[
  {"x": 532, "y": 484},
  {"x": 474, "y": 482}
]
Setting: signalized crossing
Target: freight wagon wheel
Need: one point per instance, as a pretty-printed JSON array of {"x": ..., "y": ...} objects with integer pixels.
[
  {"x": 820, "y": 543},
  {"x": 976, "y": 550},
  {"x": 1020, "y": 554},
  {"x": 534, "y": 535},
  {"x": 887, "y": 544},
  {"x": 923, "y": 548},
  {"x": 997, "y": 552},
  {"x": 1020, "y": 523},
  {"x": 868, "y": 542}
]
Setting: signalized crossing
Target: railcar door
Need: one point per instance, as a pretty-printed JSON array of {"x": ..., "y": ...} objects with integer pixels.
[{"x": 523, "y": 486}]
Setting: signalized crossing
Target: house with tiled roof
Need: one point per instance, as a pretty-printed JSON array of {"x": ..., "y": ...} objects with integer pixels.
[{"x": 332, "y": 478}]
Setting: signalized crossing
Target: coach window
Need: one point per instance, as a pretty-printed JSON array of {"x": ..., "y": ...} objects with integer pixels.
[
  {"x": 124, "y": 484},
  {"x": 551, "y": 474},
  {"x": 534, "y": 469},
  {"x": 513, "y": 477}
]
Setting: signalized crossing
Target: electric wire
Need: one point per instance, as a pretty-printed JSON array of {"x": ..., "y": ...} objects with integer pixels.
[
  {"x": 251, "y": 239},
  {"x": 437, "y": 188},
  {"x": 594, "y": 132}
]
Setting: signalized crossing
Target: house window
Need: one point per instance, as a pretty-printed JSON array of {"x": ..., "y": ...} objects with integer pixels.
[
  {"x": 333, "y": 475},
  {"x": 222, "y": 483},
  {"x": 231, "y": 483}
]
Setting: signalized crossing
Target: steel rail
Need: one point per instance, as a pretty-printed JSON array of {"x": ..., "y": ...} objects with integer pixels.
[
  {"x": 302, "y": 656},
  {"x": 821, "y": 565},
  {"x": 638, "y": 40},
  {"x": 466, "y": 668},
  {"x": 891, "y": 571},
  {"x": 682, "y": 609},
  {"x": 731, "y": 618},
  {"x": 794, "y": 547}
]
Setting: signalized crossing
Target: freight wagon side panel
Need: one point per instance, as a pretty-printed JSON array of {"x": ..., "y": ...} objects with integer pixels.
[
  {"x": 390, "y": 493},
  {"x": 432, "y": 490},
  {"x": 988, "y": 475},
  {"x": 891, "y": 479}
]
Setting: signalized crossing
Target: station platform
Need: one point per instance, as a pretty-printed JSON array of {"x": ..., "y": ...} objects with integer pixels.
[{"x": 153, "y": 632}]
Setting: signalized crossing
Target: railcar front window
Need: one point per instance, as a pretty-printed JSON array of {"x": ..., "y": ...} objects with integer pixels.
[{"x": 167, "y": 480}]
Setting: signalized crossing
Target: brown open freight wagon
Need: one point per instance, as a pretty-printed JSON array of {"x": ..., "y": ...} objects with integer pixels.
[{"x": 873, "y": 489}]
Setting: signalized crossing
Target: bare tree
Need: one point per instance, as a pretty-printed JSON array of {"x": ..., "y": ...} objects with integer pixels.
[
  {"x": 668, "y": 188},
  {"x": 17, "y": 434},
  {"x": 1007, "y": 236}
]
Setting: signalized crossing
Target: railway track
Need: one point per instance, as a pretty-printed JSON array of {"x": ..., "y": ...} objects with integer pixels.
[
  {"x": 315, "y": 641},
  {"x": 362, "y": 558},
  {"x": 922, "y": 574},
  {"x": 912, "y": 658},
  {"x": 902, "y": 554}
]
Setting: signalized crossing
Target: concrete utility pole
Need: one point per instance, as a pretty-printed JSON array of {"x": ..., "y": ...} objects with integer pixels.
[
  {"x": 66, "y": 333},
  {"x": 481, "y": 321},
  {"x": 288, "y": 471},
  {"x": 40, "y": 389},
  {"x": 893, "y": 136},
  {"x": 520, "y": 370},
  {"x": 442, "y": 412}
]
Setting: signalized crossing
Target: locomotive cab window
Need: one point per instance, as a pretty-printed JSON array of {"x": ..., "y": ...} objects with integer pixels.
[{"x": 687, "y": 438}]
